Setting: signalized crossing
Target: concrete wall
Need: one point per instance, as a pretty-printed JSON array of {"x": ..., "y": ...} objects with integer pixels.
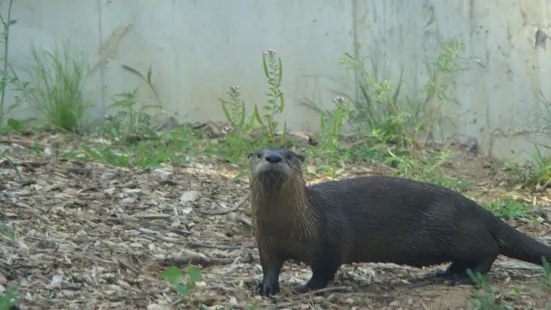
[{"x": 198, "y": 48}]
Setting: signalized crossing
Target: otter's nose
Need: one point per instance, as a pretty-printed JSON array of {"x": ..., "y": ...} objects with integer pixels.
[{"x": 273, "y": 158}]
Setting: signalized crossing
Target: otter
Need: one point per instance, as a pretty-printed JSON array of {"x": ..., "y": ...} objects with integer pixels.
[{"x": 371, "y": 219}]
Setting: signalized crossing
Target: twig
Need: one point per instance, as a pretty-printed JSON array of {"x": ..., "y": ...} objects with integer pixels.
[
  {"x": 194, "y": 244},
  {"x": 263, "y": 306},
  {"x": 125, "y": 266},
  {"x": 424, "y": 306},
  {"x": 12, "y": 203},
  {"x": 33, "y": 164},
  {"x": 200, "y": 259},
  {"x": 244, "y": 220},
  {"x": 26, "y": 144},
  {"x": 341, "y": 289},
  {"x": 181, "y": 232},
  {"x": 223, "y": 287},
  {"x": 222, "y": 212}
]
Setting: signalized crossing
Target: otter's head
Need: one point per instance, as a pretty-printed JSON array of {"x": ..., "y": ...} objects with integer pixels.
[{"x": 275, "y": 166}]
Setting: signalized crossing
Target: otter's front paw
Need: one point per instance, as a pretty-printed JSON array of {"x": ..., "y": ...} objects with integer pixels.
[{"x": 267, "y": 288}]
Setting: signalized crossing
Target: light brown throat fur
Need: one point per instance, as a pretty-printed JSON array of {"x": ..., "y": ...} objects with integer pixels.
[{"x": 282, "y": 209}]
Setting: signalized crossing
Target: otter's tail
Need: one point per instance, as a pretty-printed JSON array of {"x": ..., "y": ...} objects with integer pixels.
[{"x": 514, "y": 244}]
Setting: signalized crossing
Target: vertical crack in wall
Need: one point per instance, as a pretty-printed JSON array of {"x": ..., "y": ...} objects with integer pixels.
[
  {"x": 355, "y": 47},
  {"x": 101, "y": 67}
]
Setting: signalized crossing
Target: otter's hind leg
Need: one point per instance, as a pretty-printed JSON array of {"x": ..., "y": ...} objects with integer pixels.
[
  {"x": 478, "y": 257},
  {"x": 460, "y": 275},
  {"x": 454, "y": 269},
  {"x": 323, "y": 272}
]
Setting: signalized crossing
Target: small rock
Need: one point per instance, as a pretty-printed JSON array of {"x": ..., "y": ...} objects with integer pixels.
[
  {"x": 395, "y": 303},
  {"x": 22, "y": 248},
  {"x": 158, "y": 307},
  {"x": 56, "y": 280},
  {"x": 350, "y": 301},
  {"x": 129, "y": 200},
  {"x": 233, "y": 301},
  {"x": 107, "y": 176},
  {"x": 189, "y": 196}
]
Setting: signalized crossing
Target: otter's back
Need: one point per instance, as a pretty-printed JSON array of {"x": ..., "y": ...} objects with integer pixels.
[{"x": 389, "y": 216}]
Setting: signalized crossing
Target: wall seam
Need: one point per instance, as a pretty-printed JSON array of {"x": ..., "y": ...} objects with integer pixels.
[
  {"x": 355, "y": 45},
  {"x": 102, "y": 62}
]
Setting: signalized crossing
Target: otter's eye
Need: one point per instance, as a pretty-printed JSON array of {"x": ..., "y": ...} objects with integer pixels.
[
  {"x": 258, "y": 155},
  {"x": 289, "y": 157}
]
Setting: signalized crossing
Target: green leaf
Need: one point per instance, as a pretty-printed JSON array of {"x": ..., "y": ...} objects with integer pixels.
[
  {"x": 280, "y": 73},
  {"x": 243, "y": 115},
  {"x": 265, "y": 66},
  {"x": 181, "y": 289},
  {"x": 14, "y": 124},
  {"x": 194, "y": 273},
  {"x": 90, "y": 152},
  {"x": 149, "y": 75},
  {"x": 173, "y": 275},
  {"x": 226, "y": 112}
]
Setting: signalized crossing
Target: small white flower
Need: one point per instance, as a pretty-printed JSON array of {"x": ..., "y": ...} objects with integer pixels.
[
  {"x": 234, "y": 89},
  {"x": 270, "y": 52},
  {"x": 339, "y": 99}
]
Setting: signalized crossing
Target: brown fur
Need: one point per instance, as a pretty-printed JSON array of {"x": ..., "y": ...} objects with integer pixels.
[{"x": 371, "y": 219}]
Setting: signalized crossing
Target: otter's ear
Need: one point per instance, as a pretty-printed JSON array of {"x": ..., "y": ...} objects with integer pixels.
[{"x": 301, "y": 157}]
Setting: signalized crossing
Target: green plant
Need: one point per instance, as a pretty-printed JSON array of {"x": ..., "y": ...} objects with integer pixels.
[
  {"x": 10, "y": 296},
  {"x": 130, "y": 122},
  {"x": 332, "y": 125},
  {"x": 484, "y": 297},
  {"x": 377, "y": 110},
  {"x": 327, "y": 154},
  {"x": 55, "y": 88},
  {"x": 508, "y": 208},
  {"x": 6, "y": 231},
  {"x": 545, "y": 280},
  {"x": 143, "y": 155},
  {"x": 537, "y": 173},
  {"x": 147, "y": 79},
  {"x": 9, "y": 162},
  {"x": 185, "y": 145},
  {"x": 174, "y": 276},
  {"x": 238, "y": 141},
  {"x": 441, "y": 72},
  {"x": 381, "y": 111},
  {"x": 424, "y": 168},
  {"x": 6, "y": 24},
  {"x": 273, "y": 70}
]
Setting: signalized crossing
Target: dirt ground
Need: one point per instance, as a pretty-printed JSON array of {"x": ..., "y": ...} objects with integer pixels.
[{"x": 96, "y": 237}]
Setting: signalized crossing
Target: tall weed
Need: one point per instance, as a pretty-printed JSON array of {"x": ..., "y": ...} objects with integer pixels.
[
  {"x": 6, "y": 25},
  {"x": 240, "y": 141},
  {"x": 273, "y": 70},
  {"x": 390, "y": 118},
  {"x": 130, "y": 121},
  {"x": 327, "y": 154},
  {"x": 55, "y": 87}
]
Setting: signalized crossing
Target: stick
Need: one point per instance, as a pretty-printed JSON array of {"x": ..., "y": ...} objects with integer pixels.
[
  {"x": 222, "y": 212},
  {"x": 194, "y": 244}
]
